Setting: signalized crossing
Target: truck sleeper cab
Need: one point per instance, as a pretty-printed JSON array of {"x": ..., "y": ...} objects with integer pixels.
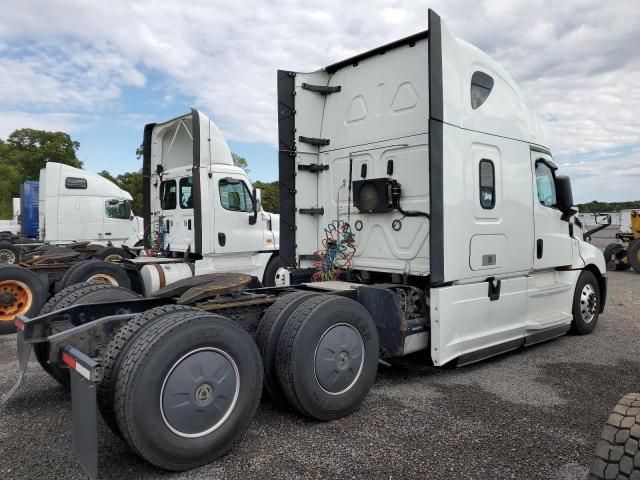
[{"x": 414, "y": 188}]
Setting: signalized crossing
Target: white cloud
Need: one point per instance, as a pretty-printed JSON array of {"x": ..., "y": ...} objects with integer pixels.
[
  {"x": 575, "y": 61},
  {"x": 56, "y": 122}
]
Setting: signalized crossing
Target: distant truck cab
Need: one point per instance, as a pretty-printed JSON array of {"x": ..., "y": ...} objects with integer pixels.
[{"x": 199, "y": 205}]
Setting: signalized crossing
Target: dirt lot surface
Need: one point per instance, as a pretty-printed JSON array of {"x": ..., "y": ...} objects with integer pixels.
[{"x": 535, "y": 413}]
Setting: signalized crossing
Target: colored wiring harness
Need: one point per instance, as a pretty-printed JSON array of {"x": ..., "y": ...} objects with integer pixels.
[{"x": 338, "y": 250}]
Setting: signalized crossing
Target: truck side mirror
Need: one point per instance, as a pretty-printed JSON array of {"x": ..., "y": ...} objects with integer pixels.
[
  {"x": 565, "y": 197},
  {"x": 253, "y": 218}
]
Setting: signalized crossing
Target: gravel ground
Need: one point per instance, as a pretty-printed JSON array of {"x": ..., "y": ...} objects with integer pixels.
[{"x": 535, "y": 413}]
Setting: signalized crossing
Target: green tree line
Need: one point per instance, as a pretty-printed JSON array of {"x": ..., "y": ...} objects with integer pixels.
[
  {"x": 26, "y": 151},
  {"x": 598, "y": 207}
]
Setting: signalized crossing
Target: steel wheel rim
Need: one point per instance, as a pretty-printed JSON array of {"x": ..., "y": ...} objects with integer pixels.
[
  {"x": 7, "y": 257},
  {"x": 588, "y": 303},
  {"x": 201, "y": 387},
  {"x": 15, "y": 298},
  {"x": 339, "y": 359},
  {"x": 102, "y": 279}
]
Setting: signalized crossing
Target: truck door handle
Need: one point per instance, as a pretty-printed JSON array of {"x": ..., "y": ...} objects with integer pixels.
[
  {"x": 222, "y": 239},
  {"x": 189, "y": 224},
  {"x": 107, "y": 233},
  {"x": 539, "y": 248}
]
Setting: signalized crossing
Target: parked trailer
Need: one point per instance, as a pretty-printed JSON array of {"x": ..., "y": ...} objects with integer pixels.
[{"x": 453, "y": 237}]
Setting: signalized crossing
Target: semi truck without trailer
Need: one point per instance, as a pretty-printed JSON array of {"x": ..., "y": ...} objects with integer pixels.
[{"x": 421, "y": 211}]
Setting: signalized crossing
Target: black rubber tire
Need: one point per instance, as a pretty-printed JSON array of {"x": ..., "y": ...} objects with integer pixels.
[
  {"x": 14, "y": 249},
  {"x": 34, "y": 286},
  {"x": 609, "y": 250},
  {"x": 578, "y": 324},
  {"x": 112, "y": 251},
  {"x": 74, "y": 296},
  {"x": 617, "y": 453},
  {"x": 144, "y": 368},
  {"x": 111, "y": 358},
  {"x": 633, "y": 254},
  {"x": 82, "y": 271},
  {"x": 269, "y": 277},
  {"x": 268, "y": 336},
  {"x": 613, "y": 256},
  {"x": 296, "y": 367}
]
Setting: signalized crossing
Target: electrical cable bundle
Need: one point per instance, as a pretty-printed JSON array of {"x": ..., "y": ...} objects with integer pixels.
[
  {"x": 154, "y": 238},
  {"x": 339, "y": 249}
]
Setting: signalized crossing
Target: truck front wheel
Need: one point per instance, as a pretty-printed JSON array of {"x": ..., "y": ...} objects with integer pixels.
[
  {"x": 187, "y": 389},
  {"x": 327, "y": 357},
  {"x": 9, "y": 254},
  {"x": 586, "y": 303}
]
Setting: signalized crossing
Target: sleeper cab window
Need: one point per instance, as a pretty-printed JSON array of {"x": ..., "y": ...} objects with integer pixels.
[
  {"x": 545, "y": 184},
  {"x": 481, "y": 86},
  {"x": 487, "y": 184},
  {"x": 234, "y": 195},
  {"x": 186, "y": 198},
  {"x": 168, "y": 195},
  {"x": 120, "y": 209},
  {"x": 74, "y": 183}
]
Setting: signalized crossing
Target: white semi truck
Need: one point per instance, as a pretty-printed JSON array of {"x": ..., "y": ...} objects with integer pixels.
[
  {"x": 69, "y": 205},
  {"x": 416, "y": 190}
]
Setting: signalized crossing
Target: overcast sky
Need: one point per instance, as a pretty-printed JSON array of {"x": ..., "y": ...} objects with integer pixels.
[{"x": 101, "y": 70}]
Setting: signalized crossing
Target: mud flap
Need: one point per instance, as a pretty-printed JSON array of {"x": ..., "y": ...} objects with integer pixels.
[
  {"x": 84, "y": 424},
  {"x": 24, "y": 350}
]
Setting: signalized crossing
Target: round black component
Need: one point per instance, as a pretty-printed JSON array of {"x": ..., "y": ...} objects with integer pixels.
[
  {"x": 9, "y": 253},
  {"x": 75, "y": 295},
  {"x": 633, "y": 254},
  {"x": 369, "y": 197},
  {"x": 327, "y": 357},
  {"x": 21, "y": 292},
  {"x": 586, "y": 303},
  {"x": 268, "y": 336},
  {"x": 358, "y": 225},
  {"x": 97, "y": 272},
  {"x": 164, "y": 358},
  {"x": 269, "y": 278},
  {"x": 396, "y": 225}
]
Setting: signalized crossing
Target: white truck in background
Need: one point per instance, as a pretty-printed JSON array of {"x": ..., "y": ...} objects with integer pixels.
[
  {"x": 77, "y": 205},
  {"x": 12, "y": 226},
  {"x": 201, "y": 208}
]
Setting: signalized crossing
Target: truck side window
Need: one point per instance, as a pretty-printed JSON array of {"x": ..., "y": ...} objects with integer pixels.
[
  {"x": 74, "y": 183},
  {"x": 235, "y": 196},
  {"x": 481, "y": 86},
  {"x": 545, "y": 184},
  {"x": 186, "y": 198},
  {"x": 118, "y": 209},
  {"x": 168, "y": 195},
  {"x": 487, "y": 184}
]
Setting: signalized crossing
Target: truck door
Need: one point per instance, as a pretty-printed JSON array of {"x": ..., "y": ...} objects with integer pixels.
[
  {"x": 552, "y": 243},
  {"x": 233, "y": 205},
  {"x": 118, "y": 220},
  {"x": 176, "y": 199}
]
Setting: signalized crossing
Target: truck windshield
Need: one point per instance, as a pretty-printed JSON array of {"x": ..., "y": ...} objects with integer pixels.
[
  {"x": 118, "y": 209},
  {"x": 186, "y": 199},
  {"x": 168, "y": 195}
]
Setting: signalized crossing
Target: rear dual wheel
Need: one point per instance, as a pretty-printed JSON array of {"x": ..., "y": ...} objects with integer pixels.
[
  {"x": 188, "y": 387},
  {"x": 326, "y": 357}
]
